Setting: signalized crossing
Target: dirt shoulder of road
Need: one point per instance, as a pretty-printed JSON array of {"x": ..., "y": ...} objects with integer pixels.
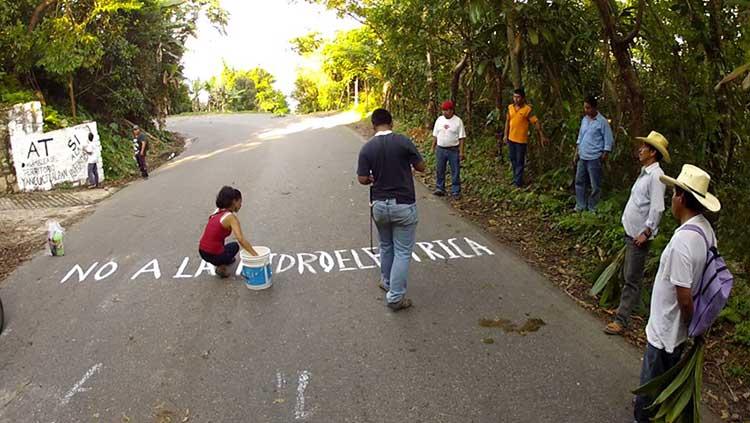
[
  {"x": 24, "y": 216},
  {"x": 557, "y": 258}
]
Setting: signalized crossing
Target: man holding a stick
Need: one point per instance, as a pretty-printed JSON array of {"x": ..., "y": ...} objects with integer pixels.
[{"x": 386, "y": 163}]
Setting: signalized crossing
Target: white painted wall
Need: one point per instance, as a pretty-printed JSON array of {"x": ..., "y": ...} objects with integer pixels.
[{"x": 43, "y": 160}]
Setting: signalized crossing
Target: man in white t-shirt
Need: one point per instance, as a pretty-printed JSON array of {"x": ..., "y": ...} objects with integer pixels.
[
  {"x": 91, "y": 149},
  {"x": 680, "y": 269},
  {"x": 448, "y": 145}
]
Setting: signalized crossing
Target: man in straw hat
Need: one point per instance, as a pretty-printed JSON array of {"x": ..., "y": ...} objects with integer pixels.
[
  {"x": 680, "y": 268},
  {"x": 641, "y": 222}
]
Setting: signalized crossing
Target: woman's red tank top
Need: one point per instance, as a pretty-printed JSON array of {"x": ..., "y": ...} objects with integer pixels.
[{"x": 212, "y": 241}]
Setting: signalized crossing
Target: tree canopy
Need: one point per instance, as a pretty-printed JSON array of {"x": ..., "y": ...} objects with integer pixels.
[
  {"x": 241, "y": 90},
  {"x": 120, "y": 58}
]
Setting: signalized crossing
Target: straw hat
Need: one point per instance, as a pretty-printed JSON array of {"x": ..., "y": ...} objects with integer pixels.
[
  {"x": 660, "y": 143},
  {"x": 695, "y": 180}
]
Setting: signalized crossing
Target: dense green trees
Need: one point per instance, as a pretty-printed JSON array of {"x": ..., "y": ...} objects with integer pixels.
[
  {"x": 241, "y": 90},
  {"x": 339, "y": 73},
  {"x": 119, "y": 58}
]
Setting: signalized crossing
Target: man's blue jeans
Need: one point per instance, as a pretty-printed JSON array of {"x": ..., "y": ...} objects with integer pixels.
[
  {"x": 449, "y": 156},
  {"x": 397, "y": 227},
  {"x": 518, "y": 161},
  {"x": 589, "y": 172}
]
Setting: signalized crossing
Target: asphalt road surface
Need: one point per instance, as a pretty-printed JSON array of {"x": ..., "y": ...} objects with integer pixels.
[{"x": 129, "y": 326}]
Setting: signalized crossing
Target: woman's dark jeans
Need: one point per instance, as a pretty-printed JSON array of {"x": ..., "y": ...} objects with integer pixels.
[{"x": 223, "y": 259}]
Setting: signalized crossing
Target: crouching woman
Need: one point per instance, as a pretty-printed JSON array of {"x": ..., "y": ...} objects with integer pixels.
[{"x": 222, "y": 223}]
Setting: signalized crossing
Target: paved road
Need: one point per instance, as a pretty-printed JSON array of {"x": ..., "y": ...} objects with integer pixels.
[{"x": 138, "y": 340}]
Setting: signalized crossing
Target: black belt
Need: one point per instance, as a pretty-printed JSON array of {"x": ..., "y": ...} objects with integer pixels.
[
  {"x": 454, "y": 148},
  {"x": 397, "y": 200}
]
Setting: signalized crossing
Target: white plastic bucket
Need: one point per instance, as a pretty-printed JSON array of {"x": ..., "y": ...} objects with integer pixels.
[{"x": 256, "y": 269}]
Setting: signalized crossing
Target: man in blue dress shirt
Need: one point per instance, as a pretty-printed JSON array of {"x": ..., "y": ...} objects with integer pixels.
[{"x": 595, "y": 142}]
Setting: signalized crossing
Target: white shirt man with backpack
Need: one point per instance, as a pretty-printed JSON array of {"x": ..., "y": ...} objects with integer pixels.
[{"x": 681, "y": 270}]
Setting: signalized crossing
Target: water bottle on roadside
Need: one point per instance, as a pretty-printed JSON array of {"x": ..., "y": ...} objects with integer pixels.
[{"x": 55, "y": 236}]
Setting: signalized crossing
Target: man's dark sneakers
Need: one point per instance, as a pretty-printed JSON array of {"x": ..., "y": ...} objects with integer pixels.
[
  {"x": 438, "y": 193},
  {"x": 382, "y": 286},
  {"x": 404, "y": 303},
  {"x": 456, "y": 197}
]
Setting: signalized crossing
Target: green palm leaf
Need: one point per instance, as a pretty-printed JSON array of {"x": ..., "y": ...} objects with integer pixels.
[
  {"x": 678, "y": 391},
  {"x": 609, "y": 273}
]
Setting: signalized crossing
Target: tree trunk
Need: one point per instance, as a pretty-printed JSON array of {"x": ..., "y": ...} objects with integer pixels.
[
  {"x": 431, "y": 89},
  {"x": 456, "y": 76},
  {"x": 469, "y": 99},
  {"x": 38, "y": 11},
  {"x": 387, "y": 95},
  {"x": 621, "y": 51},
  {"x": 713, "y": 48},
  {"x": 496, "y": 81},
  {"x": 716, "y": 56},
  {"x": 71, "y": 94},
  {"x": 514, "y": 46},
  {"x": 356, "y": 92}
]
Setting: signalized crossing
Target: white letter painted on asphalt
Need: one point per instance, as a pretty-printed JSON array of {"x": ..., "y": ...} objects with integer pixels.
[
  {"x": 78, "y": 387},
  {"x": 81, "y": 275},
  {"x": 112, "y": 268},
  {"x": 451, "y": 254},
  {"x": 371, "y": 252},
  {"x": 205, "y": 266},
  {"x": 428, "y": 248},
  {"x": 299, "y": 407},
  {"x": 415, "y": 257},
  {"x": 341, "y": 261},
  {"x": 478, "y": 247},
  {"x": 181, "y": 271},
  {"x": 305, "y": 264},
  {"x": 280, "y": 267},
  {"x": 358, "y": 261},
  {"x": 326, "y": 261},
  {"x": 150, "y": 267},
  {"x": 452, "y": 243}
]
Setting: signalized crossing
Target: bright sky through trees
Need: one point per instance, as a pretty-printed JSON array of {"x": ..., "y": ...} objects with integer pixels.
[{"x": 258, "y": 34}]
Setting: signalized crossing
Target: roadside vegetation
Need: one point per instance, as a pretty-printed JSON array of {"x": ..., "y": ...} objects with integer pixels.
[
  {"x": 239, "y": 91},
  {"x": 678, "y": 67}
]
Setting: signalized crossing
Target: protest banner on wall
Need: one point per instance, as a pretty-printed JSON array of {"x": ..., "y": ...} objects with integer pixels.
[{"x": 43, "y": 160}]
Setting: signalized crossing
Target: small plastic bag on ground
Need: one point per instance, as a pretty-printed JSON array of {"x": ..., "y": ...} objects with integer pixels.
[{"x": 55, "y": 235}]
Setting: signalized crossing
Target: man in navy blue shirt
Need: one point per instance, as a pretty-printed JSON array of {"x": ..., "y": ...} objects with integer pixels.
[
  {"x": 595, "y": 142},
  {"x": 386, "y": 163}
]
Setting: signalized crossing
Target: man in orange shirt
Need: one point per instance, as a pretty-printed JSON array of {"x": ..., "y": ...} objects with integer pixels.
[{"x": 517, "y": 133}]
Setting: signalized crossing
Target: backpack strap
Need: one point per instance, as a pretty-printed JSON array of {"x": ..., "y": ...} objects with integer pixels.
[{"x": 697, "y": 229}]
